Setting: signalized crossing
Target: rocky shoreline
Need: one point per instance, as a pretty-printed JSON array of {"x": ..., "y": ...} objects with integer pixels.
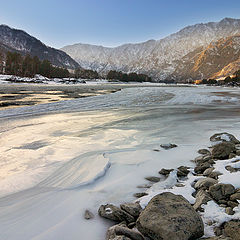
[{"x": 198, "y": 203}]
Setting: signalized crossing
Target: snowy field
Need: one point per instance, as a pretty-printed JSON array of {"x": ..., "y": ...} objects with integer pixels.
[{"x": 59, "y": 159}]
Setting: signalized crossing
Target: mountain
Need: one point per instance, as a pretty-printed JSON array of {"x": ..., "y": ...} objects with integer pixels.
[
  {"x": 20, "y": 41},
  {"x": 161, "y": 59},
  {"x": 218, "y": 59}
]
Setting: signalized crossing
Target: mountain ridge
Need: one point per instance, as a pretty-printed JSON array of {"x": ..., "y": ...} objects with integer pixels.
[
  {"x": 12, "y": 39},
  {"x": 158, "y": 58}
]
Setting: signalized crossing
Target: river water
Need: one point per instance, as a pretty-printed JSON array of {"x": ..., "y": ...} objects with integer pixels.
[{"x": 59, "y": 159}]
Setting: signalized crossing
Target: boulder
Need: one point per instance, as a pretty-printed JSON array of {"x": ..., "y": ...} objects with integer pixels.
[
  {"x": 205, "y": 183},
  {"x": 122, "y": 232},
  {"x": 182, "y": 171},
  {"x": 232, "y": 204},
  {"x": 224, "y": 137},
  {"x": 139, "y": 195},
  {"x": 232, "y": 230},
  {"x": 214, "y": 175},
  {"x": 208, "y": 171},
  {"x": 235, "y": 196},
  {"x": 170, "y": 217},
  {"x": 153, "y": 179},
  {"x": 133, "y": 209},
  {"x": 229, "y": 211},
  {"x": 221, "y": 191},
  {"x": 202, "y": 167},
  {"x": 222, "y": 150},
  {"x": 114, "y": 213},
  {"x": 204, "y": 151},
  {"x": 202, "y": 197},
  {"x": 168, "y": 146},
  {"x": 165, "y": 171}
]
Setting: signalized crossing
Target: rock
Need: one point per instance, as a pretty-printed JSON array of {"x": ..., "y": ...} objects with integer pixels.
[
  {"x": 204, "y": 151},
  {"x": 179, "y": 185},
  {"x": 202, "y": 197},
  {"x": 232, "y": 204},
  {"x": 231, "y": 169},
  {"x": 232, "y": 230},
  {"x": 224, "y": 137},
  {"x": 182, "y": 171},
  {"x": 208, "y": 171},
  {"x": 223, "y": 205},
  {"x": 133, "y": 209},
  {"x": 168, "y": 146},
  {"x": 139, "y": 195},
  {"x": 214, "y": 175},
  {"x": 123, "y": 231},
  {"x": 238, "y": 152},
  {"x": 88, "y": 215},
  {"x": 156, "y": 150},
  {"x": 222, "y": 202},
  {"x": 221, "y": 191},
  {"x": 202, "y": 167},
  {"x": 222, "y": 150},
  {"x": 114, "y": 213},
  {"x": 165, "y": 171},
  {"x": 205, "y": 183},
  {"x": 144, "y": 186},
  {"x": 229, "y": 211},
  {"x": 232, "y": 155},
  {"x": 153, "y": 179},
  {"x": 235, "y": 196},
  {"x": 169, "y": 216}
]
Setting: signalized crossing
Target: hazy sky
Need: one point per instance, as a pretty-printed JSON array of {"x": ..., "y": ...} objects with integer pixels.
[{"x": 110, "y": 22}]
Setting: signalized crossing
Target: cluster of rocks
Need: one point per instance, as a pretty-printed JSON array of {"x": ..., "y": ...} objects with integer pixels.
[{"x": 172, "y": 217}]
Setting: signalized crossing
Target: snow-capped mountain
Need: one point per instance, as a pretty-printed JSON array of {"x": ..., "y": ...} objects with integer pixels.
[
  {"x": 20, "y": 41},
  {"x": 160, "y": 58}
]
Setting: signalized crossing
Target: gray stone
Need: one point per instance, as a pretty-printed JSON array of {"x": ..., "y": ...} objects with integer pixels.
[
  {"x": 168, "y": 146},
  {"x": 238, "y": 152},
  {"x": 232, "y": 230},
  {"x": 202, "y": 197},
  {"x": 208, "y": 171},
  {"x": 232, "y": 155},
  {"x": 165, "y": 171},
  {"x": 139, "y": 195},
  {"x": 182, "y": 171},
  {"x": 224, "y": 137},
  {"x": 144, "y": 186},
  {"x": 88, "y": 215},
  {"x": 229, "y": 211},
  {"x": 202, "y": 167},
  {"x": 114, "y": 213},
  {"x": 232, "y": 204},
  {"x": 204, "y": 151},
  {"x": 221, "y": 191},
  {"x": 205, "y": 183},
  {"x": 169, "y": 216},
  {"x": 222, "y": 150},
  {"x": 231, "y": 169},
  {"x": 214, "y": 175},
  {"x": 153, "y": 179},
  {"x": 123, "y": 231},
  {"x": 133, "y": 209}
]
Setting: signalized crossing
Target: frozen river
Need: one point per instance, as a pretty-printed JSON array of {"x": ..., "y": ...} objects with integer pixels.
[{"x": 59, "y": 159}]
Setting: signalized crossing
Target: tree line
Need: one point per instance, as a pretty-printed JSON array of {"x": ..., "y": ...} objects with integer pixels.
[
  {"x": 131, "y": 77},
  {"x": 13, "y": 63},
  {"x": 27, "y": 66}
]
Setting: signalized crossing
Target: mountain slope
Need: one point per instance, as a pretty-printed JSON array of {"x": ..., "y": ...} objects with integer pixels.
[
  {"x": 218, "y": 59},
  {"x": 161, "y": 58},
  {"x": 18, "y": 40}
]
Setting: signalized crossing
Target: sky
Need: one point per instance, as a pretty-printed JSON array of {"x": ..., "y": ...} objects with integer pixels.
[{"x": 110, "y": 22}]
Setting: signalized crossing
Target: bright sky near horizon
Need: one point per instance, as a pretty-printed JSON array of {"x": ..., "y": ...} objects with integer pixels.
[{"x": 110, "y": 22}]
